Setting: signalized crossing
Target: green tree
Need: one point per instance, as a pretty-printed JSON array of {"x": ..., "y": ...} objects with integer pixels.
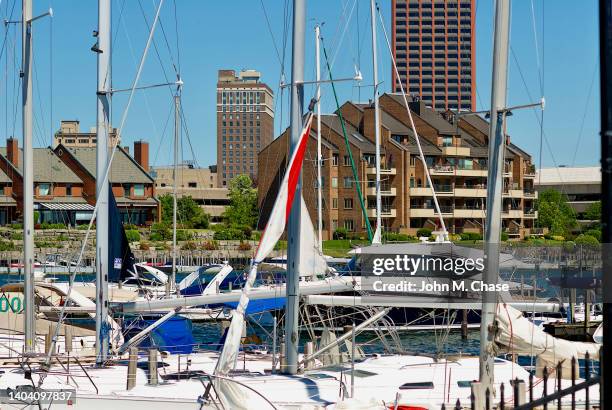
[
  {"x": 593, "y": 212},
  {"x": 555, "y": 213},
  {"x": 189, "y": 212},
  {"x": 242, "y": 209}
]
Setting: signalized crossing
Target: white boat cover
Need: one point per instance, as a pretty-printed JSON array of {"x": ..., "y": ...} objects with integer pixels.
[{"x": 519, "y": 335}]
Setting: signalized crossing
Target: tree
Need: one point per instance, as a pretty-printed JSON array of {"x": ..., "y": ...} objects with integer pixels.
[
  {"x": 242, "y": 209},
  {"x": 188, "y": 213},
  {"x": 593, "y": 212},
  {"x": 555, "y": 213}
]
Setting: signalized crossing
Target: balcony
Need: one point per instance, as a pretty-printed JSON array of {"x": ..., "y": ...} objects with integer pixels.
[
  {"x": 383, "y": 171},
  {"x": 384, "y": 191},
  {"x": 442, "y": 170},
  {"x": 441, "y": 190},
  {"x": 385, "y": 213},
  {"x": 428, "y": 211},
  {"x": 530, "y": 193},
  {"x": 469, "y": 212},
  {"x": 529, "y": 171},
  {"x": 476, "y": 171},
  {"x": 476, "y": 191},
  {"x": 456, "y": 151},
  {"x": 530, "y": 214},
  {"x": 512, "y": 213}
]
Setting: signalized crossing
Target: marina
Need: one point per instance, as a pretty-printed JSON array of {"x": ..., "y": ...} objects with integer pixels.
[{"x": 142, "y": 301}]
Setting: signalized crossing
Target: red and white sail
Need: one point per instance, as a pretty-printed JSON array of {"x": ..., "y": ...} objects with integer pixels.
[{"x": 271, "y": 234}]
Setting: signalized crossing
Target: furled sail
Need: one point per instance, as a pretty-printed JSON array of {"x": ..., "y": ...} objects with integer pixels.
[
  {"x": 519, "y": 335},
  {"x": 271, "y": 234},
  {"x": 312, "y": 262},
  {"x": 120, "y": 257}
]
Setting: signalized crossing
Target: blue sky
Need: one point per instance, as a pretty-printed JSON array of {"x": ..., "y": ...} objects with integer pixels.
[{"x": 215, "y": 35}]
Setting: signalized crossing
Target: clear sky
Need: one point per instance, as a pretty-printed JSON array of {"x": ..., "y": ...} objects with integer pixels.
[{"x": 235, "y": 34}]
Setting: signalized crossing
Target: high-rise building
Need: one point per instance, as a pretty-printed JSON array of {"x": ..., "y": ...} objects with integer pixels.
[
  {"x": 245, "y": 123},
  {"x": 70, "y": 135},
  {"x": 434, "y": 46}
]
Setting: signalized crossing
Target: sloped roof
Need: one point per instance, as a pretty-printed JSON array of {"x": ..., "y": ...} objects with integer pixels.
[
  {"x": 47, "y": 166},
  {"x": 124, "y": 168},
  {"x": 333, "y": 121},
  {"x": 430, "y": 116}
]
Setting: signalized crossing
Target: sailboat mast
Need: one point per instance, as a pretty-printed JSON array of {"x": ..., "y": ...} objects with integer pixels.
[
  {"x": 293, "y": 229},
  {"x": 319, "y": 155},
  {"x": 28, "y": 180},
  {"x": 171, "y": 284},
  {"x": 102, "y": 190},
  {"x": 495, "y": 182},
  {"x": 376, "y": 122}
]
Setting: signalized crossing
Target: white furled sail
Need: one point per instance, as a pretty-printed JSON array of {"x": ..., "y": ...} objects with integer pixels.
[
  {"x": 232, "y": 393},
  {"x": 519, "y": 335},
  {"x": 312, "y": 262},
  {"x": 377, "y": 238}
]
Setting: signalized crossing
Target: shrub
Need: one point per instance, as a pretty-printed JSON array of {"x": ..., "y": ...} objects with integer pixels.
[
  {"x": 6, "y": 246},
  {"x": 129, "y": 227},
  {"x": 244, "y": 246},
  {"x": 584, "y": 239},
  {"x": 255, "y": 236},
  {"x": 189, "y": 246},
  {"x": 160, "y": 232},
  {"x": 211, "y": 245},
  {"x": 504, "y": 236},
  {"x": 17, "y": 236},
  {"x": 596, "y": 233},
  {"x": 182, "y": 235},
  {"x": 201, "y": 221},
  {"x": 426, "y": 232},
  {"x": 472, "y": 236},
  {"x": 558, "y": 238},
  {"x": 17, "y": 226},
  {"x": 132, "y": 235},
  {"x": 229, "y": 234},
  {"x": 340, "y": 233},
  {"x": 144, "y": 246},
  {"x": 397, "y": 237},
  {"x": 84, "y": 227}
]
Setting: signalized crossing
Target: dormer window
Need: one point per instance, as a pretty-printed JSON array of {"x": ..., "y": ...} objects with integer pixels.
[{"x": 447, "y": 141}]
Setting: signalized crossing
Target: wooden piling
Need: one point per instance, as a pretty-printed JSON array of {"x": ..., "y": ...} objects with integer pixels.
[
  {"x": 132, "y": 366},
  {"x": 153, "y": 378}
]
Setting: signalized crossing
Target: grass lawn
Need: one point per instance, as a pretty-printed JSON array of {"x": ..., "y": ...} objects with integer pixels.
[{"x": 339, "y": 248}]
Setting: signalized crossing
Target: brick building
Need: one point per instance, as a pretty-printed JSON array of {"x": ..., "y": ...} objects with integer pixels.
[
  {"x": 434, "y": 44},
  {"x": 70, "y": 135},
  {"x": 455, "y": 149},
  {"x": 245, "y": 123},
  {"x": 133, "y": 187}
]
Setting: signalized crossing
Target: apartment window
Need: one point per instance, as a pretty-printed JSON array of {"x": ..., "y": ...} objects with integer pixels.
[
  {"x": 69, "y": 190},
  {"x": 192, "y": 184},
  {"x": 334, "y": 203},
  {"x": 44, "y": 189},
  {"x": 447, "y": 141},
  {"x": 348, "y": 182},
  {"x": 139, "y": 190},
  {"x": 349, "y": 225},
  {"x": 348, "y": 203},
  {"x": 334, "y": 224},
  {"x": 347, "y": 161},
  {"x": 334, "y": 182}
]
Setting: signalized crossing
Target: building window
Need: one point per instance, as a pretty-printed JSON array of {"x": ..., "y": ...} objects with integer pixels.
[
  {"x": 192, "y": 184},
  {"x": 334, "y": 224},
  {"x": 348, "y": 203},
  {"x": 44, "y": 189},
  {"x": 348, "y": 182},
  {"x": 69, "y": 190},
  {"x": 347, "y": 161},
  {"x": 139, "y": 190},
  {"x": 335, "y": 160},
  {"x": 334, "y": 182},
  {"x": 334, "y": 203},
  {"x": 447, "y": 141},
  {"x": 349, "y": 225}
]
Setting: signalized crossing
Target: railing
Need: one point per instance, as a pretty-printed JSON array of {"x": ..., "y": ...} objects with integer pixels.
[
  {"x": 525, "y": 400},
  {"x": 443, "y": 188},
  {"x": 529, "y": 191},
  {"x": 530, "y": 170}
]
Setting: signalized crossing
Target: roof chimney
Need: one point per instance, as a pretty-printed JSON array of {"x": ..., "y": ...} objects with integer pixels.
[
  {"x": 141, "y": 154},
  {"x": 12, "y": 151}
]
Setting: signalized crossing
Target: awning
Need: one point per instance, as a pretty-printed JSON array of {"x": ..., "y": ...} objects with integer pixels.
[{"x": 67, "y": 207}]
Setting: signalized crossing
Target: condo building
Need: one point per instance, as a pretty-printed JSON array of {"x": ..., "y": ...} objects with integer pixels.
[{"x": 455, "y": 147}]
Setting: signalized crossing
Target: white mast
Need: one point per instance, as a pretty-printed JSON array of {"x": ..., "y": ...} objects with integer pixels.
[
  {"x": 495, "y": 182},
  {"x": 293, "y": 229},
  {"x": 28, "y": 179},
  {"x": 319, "y": 155},
  {"x": 103, "y": 51},
  {"x": 377, "y": 233},
  {"x": 171, "y": 283}
]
